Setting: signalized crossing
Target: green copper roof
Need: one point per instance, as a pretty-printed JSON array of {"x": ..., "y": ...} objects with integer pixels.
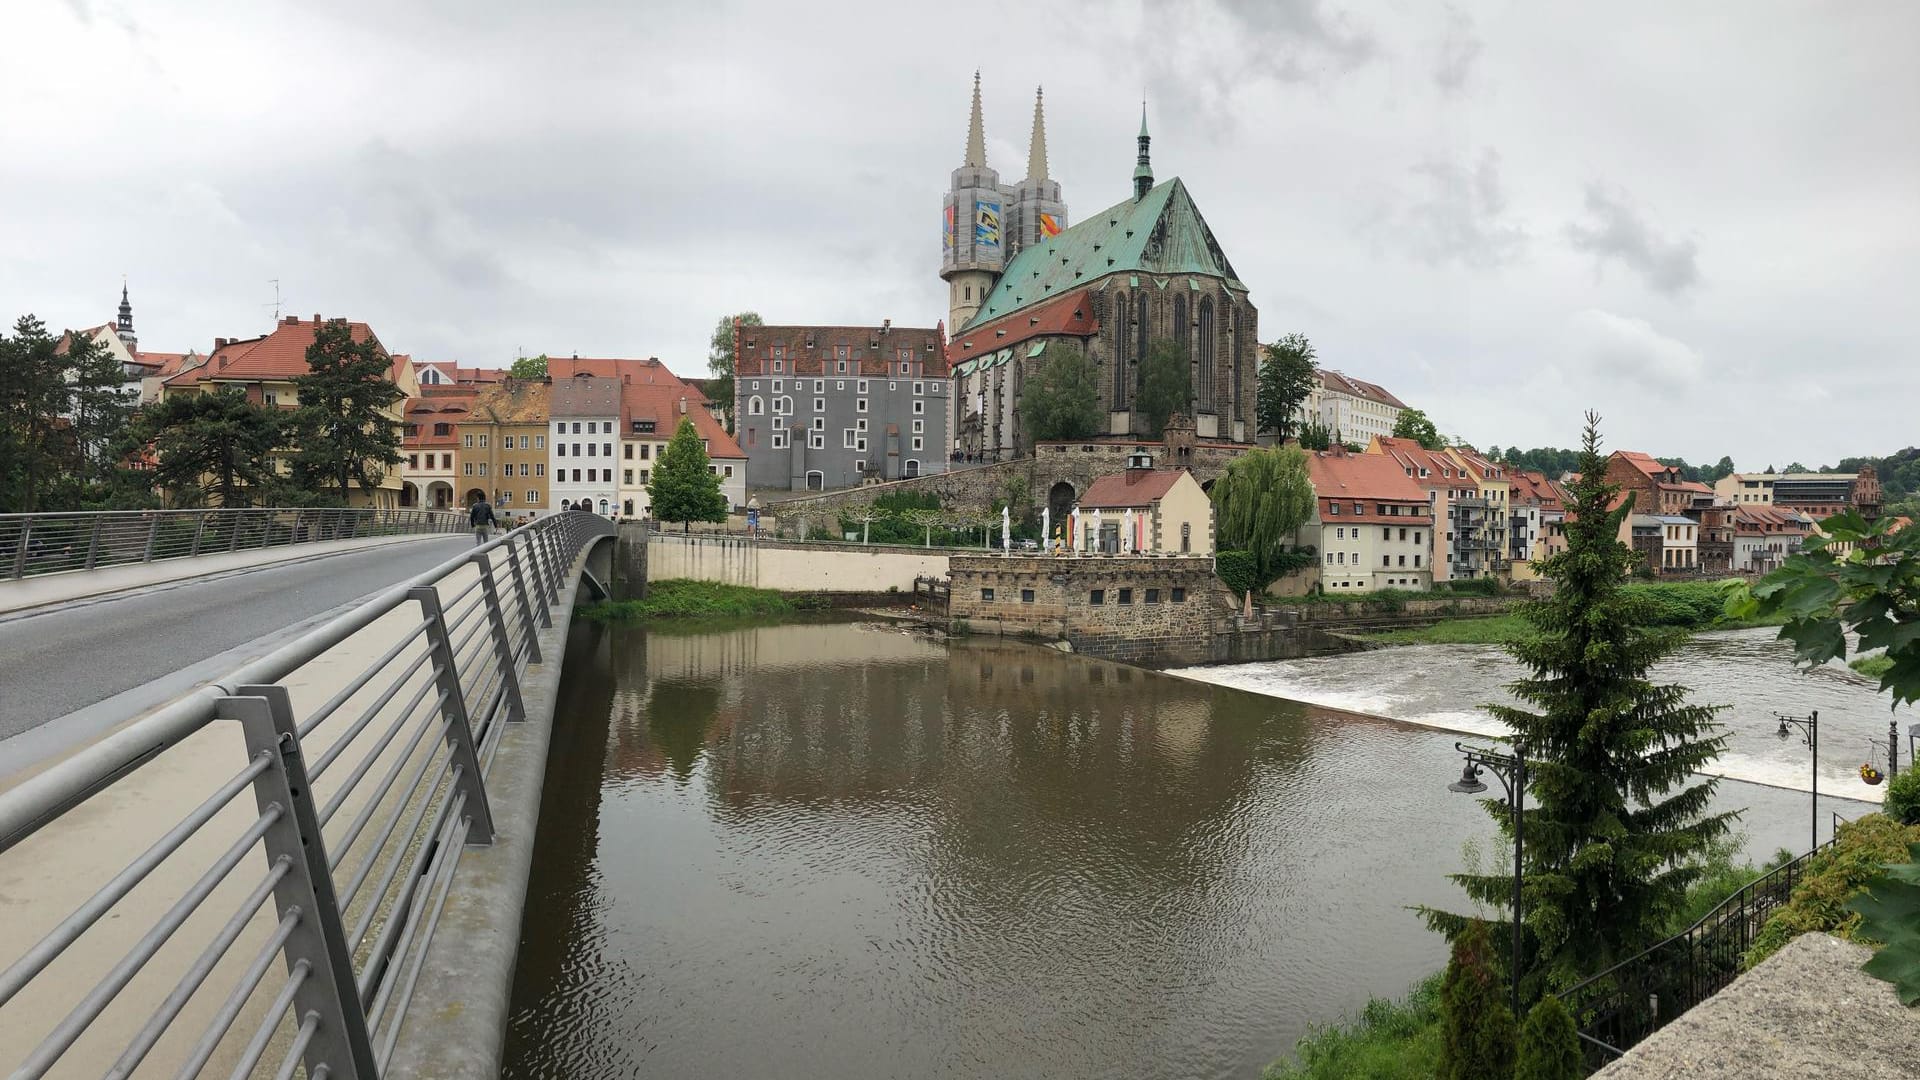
[{"x": 1160, "y": 234}]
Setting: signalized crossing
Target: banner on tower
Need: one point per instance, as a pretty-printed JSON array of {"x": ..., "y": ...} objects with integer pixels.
[
  {"x": 946, "y": 232},
  {"x": 1048, "y": 226},
  {"x": 986, "y": 224}
]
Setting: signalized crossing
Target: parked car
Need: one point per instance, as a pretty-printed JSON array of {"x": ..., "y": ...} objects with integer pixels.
[{"x": 1029, "y": 545}]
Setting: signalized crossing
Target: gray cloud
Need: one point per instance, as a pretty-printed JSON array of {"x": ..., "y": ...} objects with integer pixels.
[
  {"x": 1617, "y": 231},
  {"x": 1301, "y": 37},
  {"x": 1457, "y": 215},
  {"x": 1459, "y": 48}
]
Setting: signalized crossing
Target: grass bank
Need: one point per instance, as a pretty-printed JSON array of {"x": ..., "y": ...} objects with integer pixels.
[
  {"x": 1693, "y": 605},
  {"x": 1873, "y": 667},
  {"x": 679, "y": 599}
]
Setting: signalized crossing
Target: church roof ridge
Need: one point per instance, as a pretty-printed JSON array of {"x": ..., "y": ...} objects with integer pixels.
[{"x": 1114, "y": 240}]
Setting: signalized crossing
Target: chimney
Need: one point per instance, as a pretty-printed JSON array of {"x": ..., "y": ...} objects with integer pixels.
[
  {"x": 219, "y": 343},
  {"x": 316, "y": 318},
  {"x": 886, "y": 325},
  {"x": 683, "y": 404},
  {"x": 1138, "y": 466},
  {"x": 291, "y": 320}
]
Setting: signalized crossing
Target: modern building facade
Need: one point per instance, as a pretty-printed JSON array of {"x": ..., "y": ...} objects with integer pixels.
[
  {"x": 825, "y": 407},
  {"x": 1463, "y": 540}
]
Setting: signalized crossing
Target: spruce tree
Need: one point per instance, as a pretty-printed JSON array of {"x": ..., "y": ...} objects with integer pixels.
[
  {"x": 1549, "y": 1044},
  {"x": 1615, "y": 830},
  {"x": 683, "y": 487},
  {"x": 1476, "y": 1026}
]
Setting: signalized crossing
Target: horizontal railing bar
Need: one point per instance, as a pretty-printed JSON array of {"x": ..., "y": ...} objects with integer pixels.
[
  {"x": 320, "y": 715},
  {"x": 337, "y": 851},
  {"x": 347, "y": 737},
  {"x": 22, "y": 971},
  {"x": 56, "y": 1043},
  {"x": 372, "y": 910},
  {"x": 156, "y": 1025},
  {"x": 291, "y": 1063},
  {"x": 380, "y": 745},
  {"x": 238, "y": 997},
  {"x": 442, "y": 856},
  {"x": 257, "y": 1046},
  {"x": 371, "y": 975},
  {"x": 438, "y": 903}
]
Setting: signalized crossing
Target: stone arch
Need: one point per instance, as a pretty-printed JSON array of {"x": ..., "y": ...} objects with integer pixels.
[
  {"x": 474, "y": 495},
  {"x": 1060, "y": 500}
]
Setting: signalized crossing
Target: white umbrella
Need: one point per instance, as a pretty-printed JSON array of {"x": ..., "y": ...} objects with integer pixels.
[
  {"x": 1093, "y": 531},
  {"x": 1126, "y": 532},
  {"x": 1074, "y": 539},
  {"x": 1006, "y": 537}
]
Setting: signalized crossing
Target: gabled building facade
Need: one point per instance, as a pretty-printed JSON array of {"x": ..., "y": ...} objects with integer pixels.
[
  {"x": 1372, "y": 524},
  {"x": 1353, "y": 410},
  {"x": 502, "y": 448}
]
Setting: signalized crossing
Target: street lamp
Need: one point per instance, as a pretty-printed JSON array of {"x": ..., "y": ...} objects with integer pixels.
[
  {"x": 1511, "y": 769},
  {"x": 1810, "y": 730}
]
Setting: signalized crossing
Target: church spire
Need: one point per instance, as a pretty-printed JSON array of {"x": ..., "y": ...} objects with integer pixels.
[
  {"x": 976, "y": 132},
  {"x": 1143, "y": 172},
  {"x": 126, "y": 309},
  {"x": 1037, "y": 149}
]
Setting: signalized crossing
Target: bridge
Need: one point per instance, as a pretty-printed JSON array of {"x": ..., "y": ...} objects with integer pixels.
[{"x": 281, "y": 822}]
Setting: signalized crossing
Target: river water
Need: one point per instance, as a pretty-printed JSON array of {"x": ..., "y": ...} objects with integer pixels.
[{"x": 843, "y": 850}]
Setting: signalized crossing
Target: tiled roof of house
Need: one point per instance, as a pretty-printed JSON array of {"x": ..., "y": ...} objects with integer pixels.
[
  {"x": 512, "y": 401},
  {"x": 1754, "y": 518},
  {"x": 1160, "y": 234},
  {"x": 279, "y": 356},
  {"x": 425, "y": 411},
  {"x": 1340, "y": 475},
  {"x": 1134, "y": 487},
  {"x": 585, "y": 394},
  {"x": 995, "y": 342},
  {"x": 454, "y": 373},
  {"x": 1647, "y": 465},
  {"x": 666, "y": 404},
  {"x": 1346, "y": 384},
  {"x": 1427, "y": 468},
  {"x": 810, "y": 349}
]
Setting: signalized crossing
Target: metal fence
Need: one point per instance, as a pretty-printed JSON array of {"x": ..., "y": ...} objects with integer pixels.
[
  {"x": 362, "y": 751},
  {"x": 51, "y": 543},
  {"x": 1617, "y": 1008}
]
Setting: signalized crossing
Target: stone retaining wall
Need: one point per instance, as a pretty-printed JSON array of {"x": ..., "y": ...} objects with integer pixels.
[{"x": 792, "y": 566}]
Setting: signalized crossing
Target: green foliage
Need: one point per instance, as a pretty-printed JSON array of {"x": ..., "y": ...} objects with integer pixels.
[
  {"x": 217, "y": 443},
  {"x": 1315, "y": 435},
  {"x": 63, "y": 419},
  {"x": 1287, "y": 376},
  {"x": 1616, "y": 831},
  {"x": 344, "y": 428},
  {"x": 1260, "y": 502},
  {"x": 720, "y": 358},
  {"x": 1872, "y": 590},
  {"x": 1549, "y": 1044},
  {"x": 1390, "y": 1040},
  {"x": 683, "y": 486},
  {"x": 1903, "y": 798},
  {"x": 1873, "y": 667},
  {"x": 679, "y": 599},
  {"x": 531, "y": 368},
  {"x": 1722, "y": 874},
  {"x": 1238, "y": 570},
  {"x": 1166, "y": 384},
  {"x": 1477, "y": 1033},
  {"x": 1061, "y": 400},
  {"x": 1413, "y": 424},
  {"x": 1889, "y": 912},
  {"x": 896, "y": 502},
  {"x": 1833, "y": 877},
  {"x": 1471, "y": 587}
]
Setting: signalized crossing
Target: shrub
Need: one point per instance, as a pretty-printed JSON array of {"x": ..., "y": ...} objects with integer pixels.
[
  {"x": 1832, "y": 878},
  {"x": 1390, "y": 1040},
  {"x": 1476, "y": 1027},
  {"x": 1485, "y": 586},
  {"x": 1549, "y": 1045},
  {"x": 1238, "y": 570},
  {"x": 691, "y": 599},
  {"x": 1903, "y": 798}
]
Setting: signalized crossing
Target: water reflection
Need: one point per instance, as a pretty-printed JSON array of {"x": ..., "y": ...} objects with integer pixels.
[{"x": 841, "y": 850}]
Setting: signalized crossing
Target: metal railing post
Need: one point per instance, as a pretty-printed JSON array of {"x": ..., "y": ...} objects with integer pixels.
[
  {"x": 234, "y": 543},
  {"x": 542, "y": 585},
  {"x": 318, "y": 943},
  {"x": 526, "y": 608},
  {"x": 502, "y": 645},
  {"x": 459, "y": 726},
  {"x": 20, "y": 553},
  {"x": 93, "y": 542},
  {"x": 153, "y": 530},
  {"x": 199, "y": 528}
]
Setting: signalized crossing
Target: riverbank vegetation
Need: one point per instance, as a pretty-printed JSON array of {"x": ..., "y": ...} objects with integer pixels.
[
  {"x": 1691, "y": 605},
  {"x": 678, "y": 599}
]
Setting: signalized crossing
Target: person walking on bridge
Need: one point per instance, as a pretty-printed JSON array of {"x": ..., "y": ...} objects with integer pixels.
[{"x": 480, "y": 516}]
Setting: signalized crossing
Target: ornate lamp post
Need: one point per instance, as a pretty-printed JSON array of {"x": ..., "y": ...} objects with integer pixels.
[
  {"x": 1810, "y": 732},
  {"x": 1511, "y": 769}
]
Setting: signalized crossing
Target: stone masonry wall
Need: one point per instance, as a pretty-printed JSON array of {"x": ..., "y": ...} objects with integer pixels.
[{"x": 1053, "y": 597}]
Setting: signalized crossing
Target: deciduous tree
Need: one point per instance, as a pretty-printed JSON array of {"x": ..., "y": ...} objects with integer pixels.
[
  {"x": 1413, "y": 424},
  {"x": 344, "y": 430},
  {"x": 529, "y": 367},
  {"x": 1260, "y": 502},
  {"x": 1061, "y": 400},
  {"x": 720, "y": 359},
  {"x": 683, "y": 487},
  {"x": 1287, "y": 376},
  {"x": 1166, "y": 384},
  {"x": 1615, "y": 827}
]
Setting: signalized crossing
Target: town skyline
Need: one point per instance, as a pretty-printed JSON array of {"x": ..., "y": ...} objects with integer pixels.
[{"x": 1444, "y": 236}]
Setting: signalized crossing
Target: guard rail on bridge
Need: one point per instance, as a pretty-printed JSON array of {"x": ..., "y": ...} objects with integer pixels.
[
  {"x": 367, "y": 744},
  {"x": 50, "y": 543}
]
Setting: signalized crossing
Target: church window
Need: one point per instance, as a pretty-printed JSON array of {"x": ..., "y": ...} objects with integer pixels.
[
  {"x": 1206, "y": 354},
  {"x": 754, "y": 408},
  {"x": 1140, "y": 322},
  {"x": 1120, "y": 351},
  {"x": 969, "y": 292},
  {"x": 1182, "y": 332},
  {"x": 1234, "y": 358}
]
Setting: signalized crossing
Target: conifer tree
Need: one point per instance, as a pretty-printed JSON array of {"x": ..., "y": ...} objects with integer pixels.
[
  {"x": 1549, "y": 1044},
  {"x": 345, "y": 433},
  {"x": 683, "y": 487},
  {"x": 217, "y": 443},
  {"x": 1615, "y": 830},
  {"x": 1476, "y": 1026}
]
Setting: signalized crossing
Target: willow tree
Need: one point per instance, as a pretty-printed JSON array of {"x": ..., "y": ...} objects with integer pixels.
[
  {"x": 1258, "y": 505},
  {"x": 1615, "y": 828}
]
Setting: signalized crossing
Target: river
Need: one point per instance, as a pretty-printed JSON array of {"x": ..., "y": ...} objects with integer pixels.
[{"x": 844, "y": 850}]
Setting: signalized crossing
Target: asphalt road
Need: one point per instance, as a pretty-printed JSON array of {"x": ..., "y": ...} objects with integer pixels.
[{"x": 55, "y": 663}]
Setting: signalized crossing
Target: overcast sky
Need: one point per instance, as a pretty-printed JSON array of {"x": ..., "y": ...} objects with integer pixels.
[{"x": 1702, "y": 220}]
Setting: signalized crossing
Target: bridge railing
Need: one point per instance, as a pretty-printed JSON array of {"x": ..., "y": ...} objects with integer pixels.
[
  {"x": 302, "y": 815},
  {"x": 51, "y": 543}
]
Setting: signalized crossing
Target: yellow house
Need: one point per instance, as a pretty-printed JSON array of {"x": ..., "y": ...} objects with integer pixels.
[
  {"x": 501, "y": 450},
  {"x": 265, "y": 367},
  {"x": 1167, "y": 510},
  {"x": 1491, "y": 478}
]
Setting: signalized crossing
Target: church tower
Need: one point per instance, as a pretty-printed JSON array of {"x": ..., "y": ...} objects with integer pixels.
[
  {"x": 123, "y": 328},
  {"x": 972, "y": 244},
  {"x": 1036, "y": 212}
]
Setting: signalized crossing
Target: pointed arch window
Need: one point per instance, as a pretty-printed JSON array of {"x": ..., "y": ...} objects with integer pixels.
[
  {"x": 1206, "y": 354},
  {"x": 1140, "y": 327},
  {"x": 1182, "y": 332},
  {"x": 1120, "y": 308},
  {"x": 1234, "y": 352}
]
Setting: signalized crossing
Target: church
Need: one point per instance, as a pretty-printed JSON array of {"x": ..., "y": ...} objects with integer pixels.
[{"x": 1021, "y": 279}]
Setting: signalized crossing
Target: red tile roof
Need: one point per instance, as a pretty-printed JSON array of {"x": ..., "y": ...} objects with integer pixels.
[
  {"x": 1346, "y": 384},
  {"x": 1071, "y": 314},
  {"x": 1441, "y": 470},
  {"x": 424, "y": 412},
  {"x": 1338, "y": 475},
  {"x": 279, "y": 356},
  {"x": 1134, "y": 487},
  {"x": 874, "y": 350},
  {"x": 1645, "y": 463},
  {"x": 662, "y": 401}
]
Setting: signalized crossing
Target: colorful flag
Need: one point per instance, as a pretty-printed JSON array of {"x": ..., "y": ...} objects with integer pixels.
[
  {"x": 946, "y": 232},
  {"x": 1048, "y": 226}
]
